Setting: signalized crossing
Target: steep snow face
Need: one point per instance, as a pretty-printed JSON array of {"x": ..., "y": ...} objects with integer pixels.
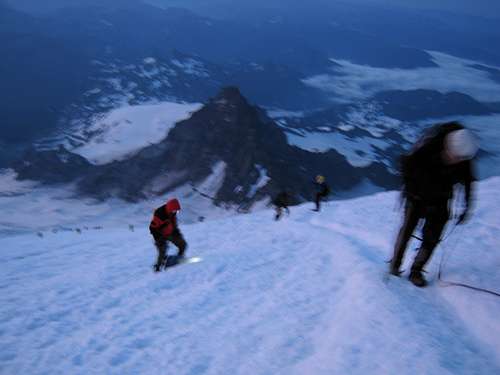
[
  {"x": 304, "y": 295},
  {"x": 128, "y": 129}
]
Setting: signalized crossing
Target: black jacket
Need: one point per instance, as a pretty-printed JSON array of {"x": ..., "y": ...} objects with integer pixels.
[
  {"x": 282, "y": 200},
  {"x": 322, "y": 188},
  {"x": 426, "y": 177}
]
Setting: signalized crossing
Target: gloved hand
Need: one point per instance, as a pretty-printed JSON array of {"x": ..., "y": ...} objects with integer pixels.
[{"x": 464, "y": 217}]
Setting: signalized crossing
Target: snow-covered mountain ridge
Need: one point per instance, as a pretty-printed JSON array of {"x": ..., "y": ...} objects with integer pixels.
[{"x": 227, "y": 134}]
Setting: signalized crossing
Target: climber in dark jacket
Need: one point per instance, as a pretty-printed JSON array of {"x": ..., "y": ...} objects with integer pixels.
[
  {"x": 281, "y": 203},
  {"x": 322, "y": 190},
  {"x": 438, "y": 161},
  {"x": 164, "y": 228}
]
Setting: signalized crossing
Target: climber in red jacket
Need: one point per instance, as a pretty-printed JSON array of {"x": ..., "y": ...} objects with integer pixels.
[{"x": 164, "y": 228}]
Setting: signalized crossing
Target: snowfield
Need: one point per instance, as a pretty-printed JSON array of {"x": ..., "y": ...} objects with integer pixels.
[
  {"x": 304, "y": 295},
  {"x": 127, "y": 129}
]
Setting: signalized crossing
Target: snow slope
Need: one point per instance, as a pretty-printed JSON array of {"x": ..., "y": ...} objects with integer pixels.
[
  {"x": 62, "y": 209},
  {"x": 305, "y": 295}
]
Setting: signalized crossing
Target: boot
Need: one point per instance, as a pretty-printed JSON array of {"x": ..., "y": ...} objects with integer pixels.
[
  {"x": 417, "y": 278},
  {"x": 395, "y": 271},
  {"x": 394, "y": 265}
]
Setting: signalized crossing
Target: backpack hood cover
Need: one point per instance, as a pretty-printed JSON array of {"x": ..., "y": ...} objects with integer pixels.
[{"x": 461, "y": 144}]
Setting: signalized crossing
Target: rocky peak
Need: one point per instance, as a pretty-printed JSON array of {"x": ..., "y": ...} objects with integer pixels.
[
  {"x": 228, "y": 141},
  {"x": 229, "y": 101},
  {"x": 231, "y": 94}
]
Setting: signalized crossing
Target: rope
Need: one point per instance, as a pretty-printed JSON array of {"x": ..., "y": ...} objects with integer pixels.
[
  {"x": 445, "y": 283},
  {"x": 444, "y": 259}
]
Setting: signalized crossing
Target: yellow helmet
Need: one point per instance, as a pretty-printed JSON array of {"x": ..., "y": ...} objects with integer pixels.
[{"x": 320, "y": 179}]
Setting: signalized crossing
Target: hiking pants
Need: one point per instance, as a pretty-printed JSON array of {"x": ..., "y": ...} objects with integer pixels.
[
  {"x": 435, "y": 218},
  {"x": 161, "y": 244}
]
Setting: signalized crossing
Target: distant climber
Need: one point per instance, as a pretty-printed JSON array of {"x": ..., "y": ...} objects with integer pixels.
[
  {"x": 438, "y": 161},
  {"x": 322, "y": 190},
  {"x": 164, "y": 228},
  {"x": 281, "y": 203}
]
